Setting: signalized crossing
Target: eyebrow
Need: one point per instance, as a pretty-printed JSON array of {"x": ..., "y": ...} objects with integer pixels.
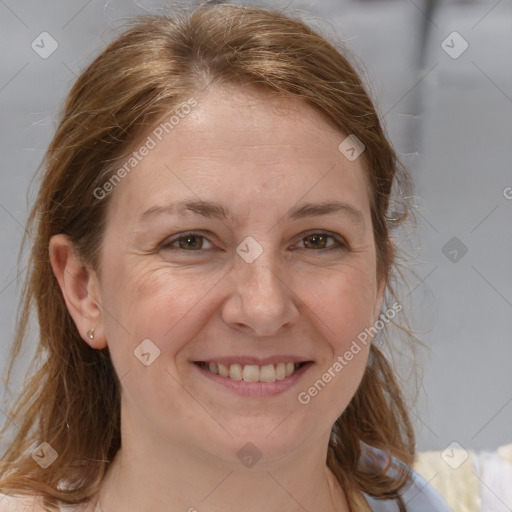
[{"x": 217, "y": 211}]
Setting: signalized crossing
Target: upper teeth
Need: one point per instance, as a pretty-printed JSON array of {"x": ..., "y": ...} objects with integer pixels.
[{"x": 252, "y": 372}]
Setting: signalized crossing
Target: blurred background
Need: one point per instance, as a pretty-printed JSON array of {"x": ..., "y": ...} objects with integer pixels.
[{"x": 441, "y": 74}]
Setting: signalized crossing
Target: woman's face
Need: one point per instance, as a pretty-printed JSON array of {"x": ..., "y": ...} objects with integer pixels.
[{"x": 255, "y": 276}]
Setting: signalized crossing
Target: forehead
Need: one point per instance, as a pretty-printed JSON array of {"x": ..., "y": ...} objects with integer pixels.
[
  {"x": 231, "y": 118},
  {"x": 234, "y": 142}
]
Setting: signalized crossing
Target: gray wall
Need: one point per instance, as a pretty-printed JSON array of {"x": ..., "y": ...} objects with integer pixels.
[{"x": 449, "y": 115}]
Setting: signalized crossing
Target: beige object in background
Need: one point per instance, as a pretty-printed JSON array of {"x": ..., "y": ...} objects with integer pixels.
[{"x": 469, "y": 481}]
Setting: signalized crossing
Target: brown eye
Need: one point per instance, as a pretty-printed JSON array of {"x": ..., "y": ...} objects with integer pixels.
[
  {"x": 189, "y": 242},
  {"x": 316, "y": 241},
  {"x": 193, "y": 242}
]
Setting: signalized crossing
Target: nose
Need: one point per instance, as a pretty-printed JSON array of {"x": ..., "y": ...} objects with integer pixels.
[{"x": 261, "y": 300}]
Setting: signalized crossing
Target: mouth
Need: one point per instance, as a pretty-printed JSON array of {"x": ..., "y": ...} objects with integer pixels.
[{"x": 252, "y": 372}]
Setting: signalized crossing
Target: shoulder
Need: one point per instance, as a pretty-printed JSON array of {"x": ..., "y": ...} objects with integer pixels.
[
  {"x": 416, "y": 496},
  {"x": 19, "y": 504},
  {"x": 33, "y": 504},
  {"x": 420, "y": 496}
]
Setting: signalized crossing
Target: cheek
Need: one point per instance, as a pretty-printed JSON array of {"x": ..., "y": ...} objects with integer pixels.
[
  {"x": 153, "y": 302},
  {"x": 343, "y": 302},
  {"x": 343, "y": 305}
]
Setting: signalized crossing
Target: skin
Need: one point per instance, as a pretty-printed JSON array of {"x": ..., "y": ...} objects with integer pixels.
[{"x": 259, "y": 156}]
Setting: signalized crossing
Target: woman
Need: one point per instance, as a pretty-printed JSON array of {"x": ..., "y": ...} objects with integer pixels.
[{"x": 210, "y": 266}]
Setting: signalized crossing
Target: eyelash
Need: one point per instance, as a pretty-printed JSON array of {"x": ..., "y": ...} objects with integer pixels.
[{"x": 340, "y": 243}]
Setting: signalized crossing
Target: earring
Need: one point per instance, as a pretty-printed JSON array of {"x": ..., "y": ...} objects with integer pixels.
[{"x": 90, "y": 334}]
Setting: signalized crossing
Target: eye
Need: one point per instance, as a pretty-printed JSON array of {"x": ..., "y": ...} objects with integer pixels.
[
  {"x": 319, "y": 240},
  {"x": 186, "y": 242},
  {"x": 195, "y": 242}
]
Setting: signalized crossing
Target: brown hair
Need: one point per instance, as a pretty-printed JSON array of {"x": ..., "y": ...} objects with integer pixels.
[{"x": 72, "y": 401}]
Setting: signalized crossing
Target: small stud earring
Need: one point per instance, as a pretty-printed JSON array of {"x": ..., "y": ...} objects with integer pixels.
[{"x": 90, "y": 334}]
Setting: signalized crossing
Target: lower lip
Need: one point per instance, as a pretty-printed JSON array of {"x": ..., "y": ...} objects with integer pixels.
[{"x": 256, "y": 389}]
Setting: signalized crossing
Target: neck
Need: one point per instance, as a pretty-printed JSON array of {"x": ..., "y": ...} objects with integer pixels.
[{"x": 163, "y": 480}]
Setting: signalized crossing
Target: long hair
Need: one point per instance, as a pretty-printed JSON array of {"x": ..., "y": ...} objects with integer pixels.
[{"x": 72, "y": 400}]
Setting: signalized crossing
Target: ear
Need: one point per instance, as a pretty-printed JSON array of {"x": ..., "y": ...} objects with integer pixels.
[{"x": 80, "y": 288}]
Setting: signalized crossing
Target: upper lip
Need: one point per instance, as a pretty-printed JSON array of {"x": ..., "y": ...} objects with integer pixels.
[{"x": 259, "y": 361}]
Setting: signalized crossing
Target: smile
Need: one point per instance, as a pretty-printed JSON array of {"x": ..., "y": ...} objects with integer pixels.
[{"x": 252, "y": 372}]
